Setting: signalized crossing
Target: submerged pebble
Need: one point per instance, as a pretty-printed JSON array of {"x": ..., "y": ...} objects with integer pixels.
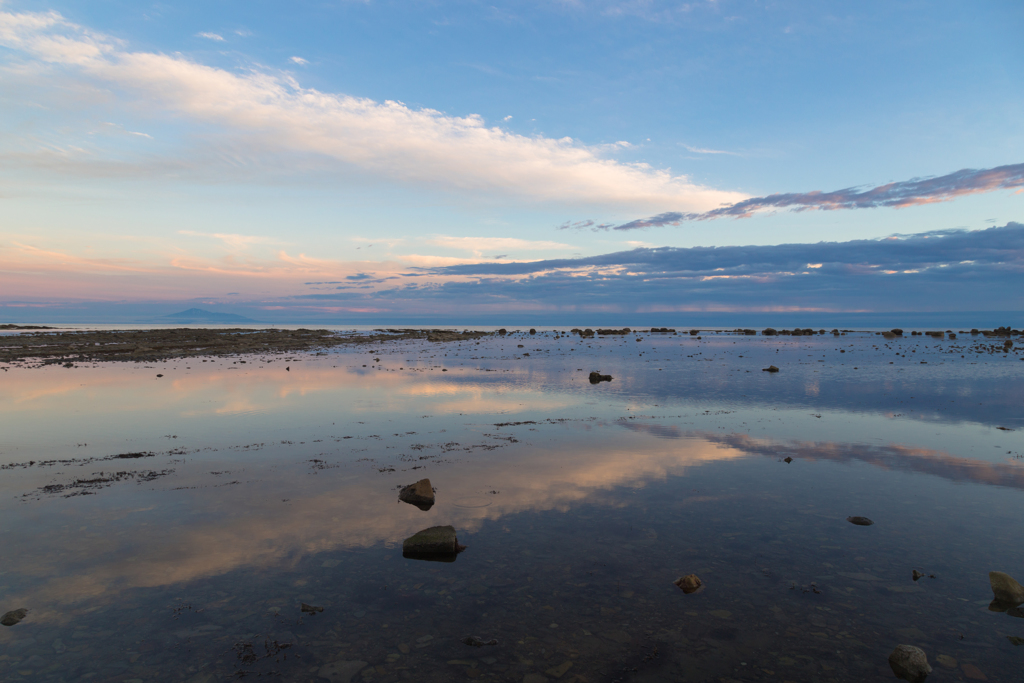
[{"x": 859, "y": 521}]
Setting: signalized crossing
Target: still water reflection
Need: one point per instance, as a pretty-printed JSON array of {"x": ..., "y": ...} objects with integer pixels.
[{"x": 170, "y": 528}]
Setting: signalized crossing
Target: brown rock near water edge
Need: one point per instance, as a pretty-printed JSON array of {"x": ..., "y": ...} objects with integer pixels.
[
  {"x": 420, "y": 494},
  {"x": 13, "y": 617},
  {"x": 910, "y": 663},
  {"x": 1006, "y": 590},
  {"x": 596, "y": 377},
  {"x": 690, "y": 583},
  {"x": 770, "y": 368},
  {"x": 311, "y": 609},
  {"x": 438, "y": 542},
  {"x": 859, "y": 521}
]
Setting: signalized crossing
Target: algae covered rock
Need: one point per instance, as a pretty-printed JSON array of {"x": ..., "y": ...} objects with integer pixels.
[
  {"x": 437, "y": 542},
  {"x": 1008, "y": 593},
  {"x": 910, "y": 663},
  {"x": 420, "y": 494},
  {"x": 13, "y": 617},
  {"x": 690, "y": 583}
]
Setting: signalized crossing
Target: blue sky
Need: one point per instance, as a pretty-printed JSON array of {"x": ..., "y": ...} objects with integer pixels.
[{"x": 227, "y": 153}]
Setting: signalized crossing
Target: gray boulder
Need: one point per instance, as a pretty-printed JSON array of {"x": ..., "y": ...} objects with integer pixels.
[{"x": 910, "y": 663}]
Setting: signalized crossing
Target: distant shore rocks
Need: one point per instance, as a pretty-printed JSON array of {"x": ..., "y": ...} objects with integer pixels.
[
  {"x": 596, "y": 377},
  {"x": 420, "y": 494},
  {"x": 910, "y": 663},
  {"x": 770, "y": 368}
]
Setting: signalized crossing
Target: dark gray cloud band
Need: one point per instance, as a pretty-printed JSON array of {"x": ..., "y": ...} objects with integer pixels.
[{"x": 914, "y": 192}]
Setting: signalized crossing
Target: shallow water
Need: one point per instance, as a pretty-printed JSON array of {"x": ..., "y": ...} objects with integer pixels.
[{"x": 257, "y": 486}]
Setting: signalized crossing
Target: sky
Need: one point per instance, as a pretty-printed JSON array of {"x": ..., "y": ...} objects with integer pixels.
[{"x": 353, "y": 161}]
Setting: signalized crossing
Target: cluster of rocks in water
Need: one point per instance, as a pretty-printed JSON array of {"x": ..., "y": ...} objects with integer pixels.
[{"x": 436, "y": 543}]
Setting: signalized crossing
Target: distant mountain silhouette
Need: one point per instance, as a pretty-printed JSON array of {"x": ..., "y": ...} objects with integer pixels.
[{"x": 198, "y": 315}]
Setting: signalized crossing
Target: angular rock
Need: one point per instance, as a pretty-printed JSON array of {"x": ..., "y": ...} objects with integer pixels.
[
  {"x": 596, "y": 377},
  {"x": 420, "y": 494},
  {"x": 436, "y": 543},
  {"x": 859, "y": 521},
  {"x": 311, "y": 609},
  {"x": 479, "y": 642},
  {"x": 1006, "y": 589},
  {"x": 770, "y": 368},
  {"x": 690, "y": 583},
  {"x": 13, "y": 617},
  {"x": 787, "y": 459},
  {"x": 917, "y": 575},
  {"x": 910, "y": 663},
  {"x": 341, "y": 671}
]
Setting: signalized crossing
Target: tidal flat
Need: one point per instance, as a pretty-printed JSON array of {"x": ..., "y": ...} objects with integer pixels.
[{"x": 204, "y": 517}]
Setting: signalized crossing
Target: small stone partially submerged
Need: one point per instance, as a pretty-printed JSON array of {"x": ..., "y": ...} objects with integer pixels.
[
  {"x": 311, "y": 609},
  {"x": 420, "y": 494},
  {"x": 787, "y": 459},
  {"x": 341, "y": 671},
  {"x": 690, "y": 583},
  {"x": 479, "y": 642},
  {"x": 910, "y": 663},
  {"x": 1007, "y": 592},
  {"x": 13, "y": 617},
  {"x": 436, "y": 543},
  {"x": 596, "y": 377},
  {"x": 770, "y": 368},
  {"x": 859, "y": 521}
]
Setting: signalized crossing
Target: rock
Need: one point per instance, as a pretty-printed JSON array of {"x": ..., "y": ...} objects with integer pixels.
[
  {"x": 947, "y": 661},
  {"x": 787, "y": 460},
  {"x": 13, "y": 617},
  {"x": 420, "y": 494},
  {"x": 770, "y": 368},
  {"x": 341, "y": 671},
  {"x": 437, "y": 542},
  {"x": 559, "y": 671},
  {"x": 859, "y": 521},
  {"x": 596, "y": 377},
  {"x": 311, "y": 609},
  {"x": 479, "y": 642},
  {"x": 973, "y": 672},
  {"x": 690, "y": 583},
  {"x": 1016, "y": 612},
  {"x": 1015, "y": 640},
  {"x": 1006, "y": 589},
  {"x": 909, "y": 663},
  {"x": 917, "y": 575}
]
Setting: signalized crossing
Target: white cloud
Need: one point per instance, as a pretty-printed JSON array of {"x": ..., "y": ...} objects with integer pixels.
[
  {"x": 276, "y": 115},
  {"x": 479, "y": 245},
  {"x": 211, "y": 36},
  {"x": 704, "y": 150},
  {"x": 298, "y": 60}
]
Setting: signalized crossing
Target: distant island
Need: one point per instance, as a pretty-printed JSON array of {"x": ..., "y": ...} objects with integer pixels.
[{"x": 198, "y": 315}]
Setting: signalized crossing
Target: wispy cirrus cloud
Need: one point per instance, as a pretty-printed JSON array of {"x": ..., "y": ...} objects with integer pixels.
[
  {"x": 210, "y": 36},
  {"x": 276, "y": 117},
  {"x": 914, "y": 192}
]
